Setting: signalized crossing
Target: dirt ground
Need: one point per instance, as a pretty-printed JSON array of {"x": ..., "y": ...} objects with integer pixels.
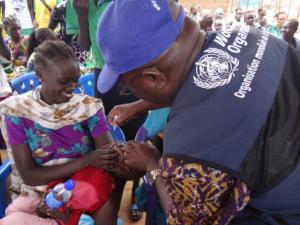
[{"x": 125, "y": 205}]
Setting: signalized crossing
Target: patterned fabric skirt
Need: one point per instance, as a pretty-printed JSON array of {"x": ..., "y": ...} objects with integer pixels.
[{"x": 202, "y": 195}]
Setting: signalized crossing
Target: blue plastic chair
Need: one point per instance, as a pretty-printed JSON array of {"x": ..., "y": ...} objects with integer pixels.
[
  {"x": 29, "y": 81},
  {"x": 5, "y": 170},
  {"x": 25, "y": 82},
  {"x": 86, "y": 83}
]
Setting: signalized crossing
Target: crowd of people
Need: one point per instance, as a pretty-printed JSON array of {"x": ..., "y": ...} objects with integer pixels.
[
  {"x": 281, "y": 27},
  {"x": 220, "y": 99}
]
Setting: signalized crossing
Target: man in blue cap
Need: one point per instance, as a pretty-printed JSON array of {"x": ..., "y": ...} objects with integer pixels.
[{"x": 231, "y": 144}]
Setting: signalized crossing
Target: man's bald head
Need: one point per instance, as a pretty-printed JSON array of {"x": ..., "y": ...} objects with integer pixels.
[
  {"x": 289, "y": 29},
  {"x": 293, "y": 24}
]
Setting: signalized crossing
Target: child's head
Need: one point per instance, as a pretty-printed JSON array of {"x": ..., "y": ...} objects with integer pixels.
[
  {"x": 206, "y": 23},
  {"x": 249, "y": 17},
  {"x": 57, "y": 68},
  {"x": 218, "y": 25},
  {"x": 13, "y": 28},
  {"x": 238, "y": 14},
  {"x": 37, "y": 37}
]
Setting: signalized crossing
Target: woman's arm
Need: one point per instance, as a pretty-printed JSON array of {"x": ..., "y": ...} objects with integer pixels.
[{"x": 34, "y": 174}]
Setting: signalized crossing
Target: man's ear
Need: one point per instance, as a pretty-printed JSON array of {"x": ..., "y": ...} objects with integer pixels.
[
  {"x": 157, "y": 78},
  {"x": 39, "y": 73}
]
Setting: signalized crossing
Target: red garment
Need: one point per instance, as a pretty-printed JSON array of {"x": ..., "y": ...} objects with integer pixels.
[{"x": 92, "y": 189}]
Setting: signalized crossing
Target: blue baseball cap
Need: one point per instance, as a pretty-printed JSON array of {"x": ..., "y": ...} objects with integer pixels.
[{"x": 131, "y": 33}]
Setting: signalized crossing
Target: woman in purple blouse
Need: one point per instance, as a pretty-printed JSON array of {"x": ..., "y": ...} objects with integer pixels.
[{"x": 52, "y": 134}]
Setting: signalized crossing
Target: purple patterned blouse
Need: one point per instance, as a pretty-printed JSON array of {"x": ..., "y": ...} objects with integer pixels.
[{"x": 71, "y": 141}]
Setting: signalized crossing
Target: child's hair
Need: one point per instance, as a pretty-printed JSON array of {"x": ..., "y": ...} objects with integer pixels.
[
  {"x": 37, "y": 37},
  {"x": 7, "y": 21},
  {"x": 51, "y": 51}
]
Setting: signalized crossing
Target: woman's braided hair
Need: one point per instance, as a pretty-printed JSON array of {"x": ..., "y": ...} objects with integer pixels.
[{"x": 53, "y": 50}]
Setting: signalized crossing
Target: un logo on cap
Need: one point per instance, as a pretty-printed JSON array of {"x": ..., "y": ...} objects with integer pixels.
[{"x": 215, "y": 68}]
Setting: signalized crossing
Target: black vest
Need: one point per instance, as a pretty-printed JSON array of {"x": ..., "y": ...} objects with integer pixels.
[{"x": 239, "y": 109}]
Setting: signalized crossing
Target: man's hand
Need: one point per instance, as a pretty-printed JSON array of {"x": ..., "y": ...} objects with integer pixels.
[
  {"x": 143, "y": 157},
  {"x": 122, "y": 114}
]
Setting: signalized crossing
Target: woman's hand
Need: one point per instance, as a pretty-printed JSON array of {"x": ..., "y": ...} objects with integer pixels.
[
  {"x": 143, "y": 157},
  {"x": 44, "y": 211},
  {"x": 104, "y": 158}
]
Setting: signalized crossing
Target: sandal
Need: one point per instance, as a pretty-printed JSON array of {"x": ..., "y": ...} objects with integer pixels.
[{"x": 135, "y": 212}]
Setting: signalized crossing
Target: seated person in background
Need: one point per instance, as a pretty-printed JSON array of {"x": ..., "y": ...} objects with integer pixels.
[
  {"x": 54, "y": 133},
  {"x": 21, "y": 9},
  {"x": 206, "y": 23},
  {"x": 289, "y": 29},
  {"x": 17, "y": 43},
  {"x": 36, "y": 38},
  {"x": 58, "y": 17}
]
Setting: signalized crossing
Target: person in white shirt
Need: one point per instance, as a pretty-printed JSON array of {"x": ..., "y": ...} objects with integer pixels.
[{"x": 237, "y": 22}]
